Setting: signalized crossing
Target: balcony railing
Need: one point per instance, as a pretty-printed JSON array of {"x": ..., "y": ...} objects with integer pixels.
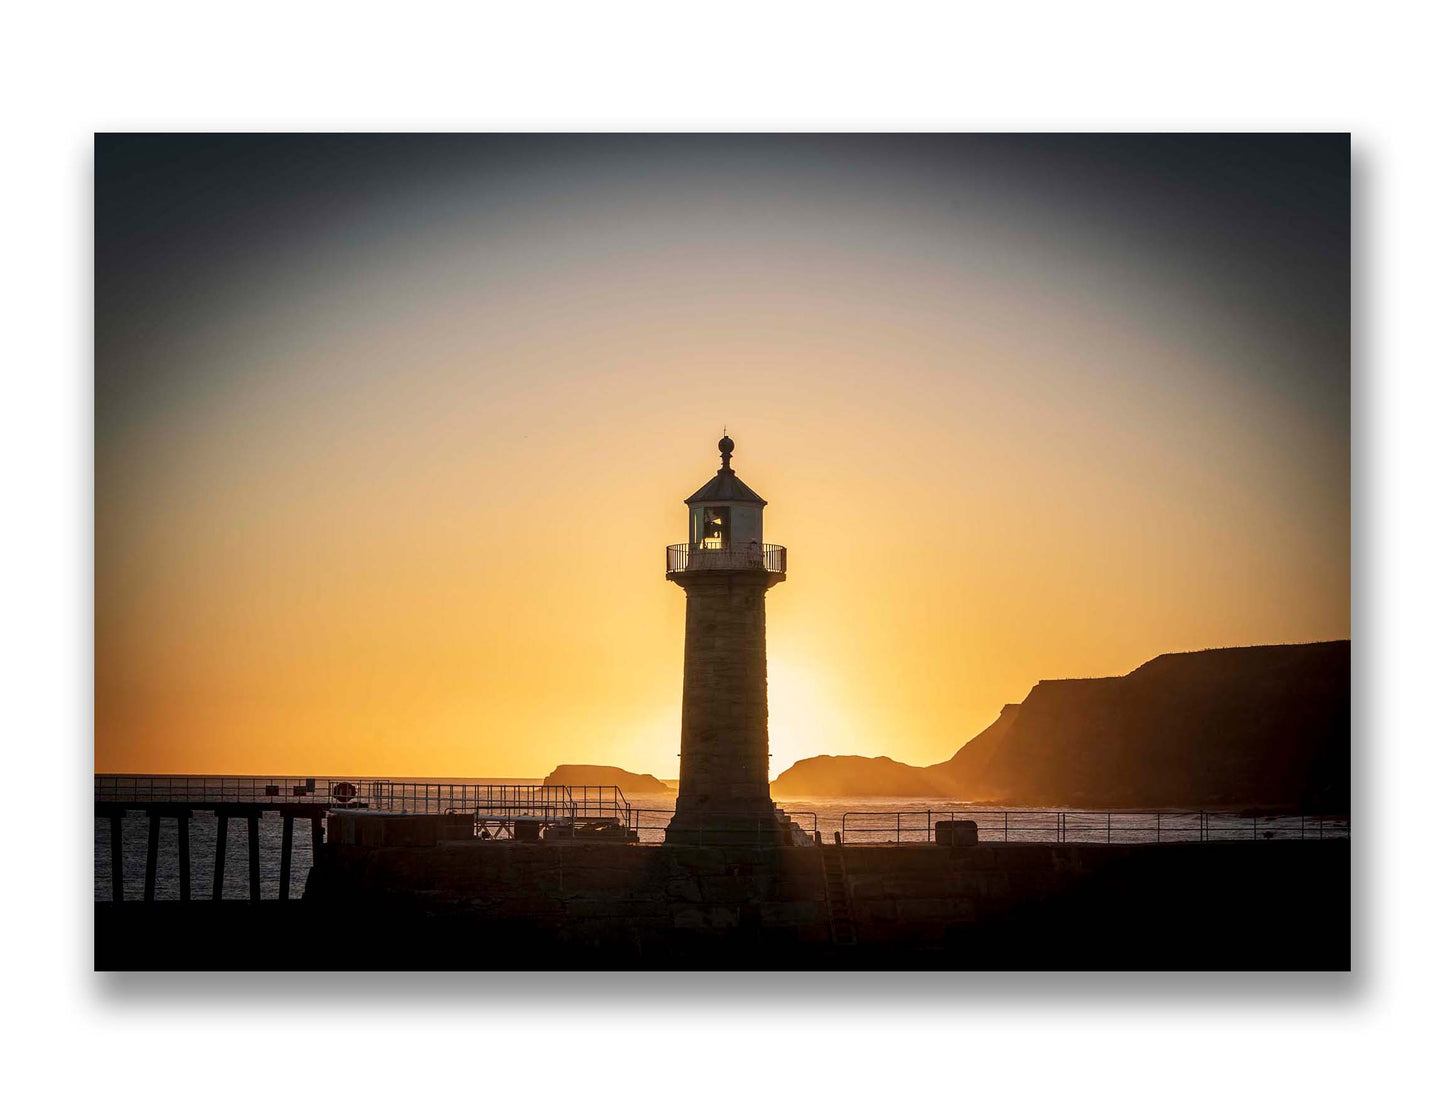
[{"x": 727, "y": 557}]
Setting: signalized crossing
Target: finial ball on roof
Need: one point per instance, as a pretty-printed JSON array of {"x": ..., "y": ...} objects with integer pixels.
[{"x": 725, "y": 446}]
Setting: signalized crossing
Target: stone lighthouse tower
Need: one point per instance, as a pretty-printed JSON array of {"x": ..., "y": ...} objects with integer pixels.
[{"x": 726, "y": 569}]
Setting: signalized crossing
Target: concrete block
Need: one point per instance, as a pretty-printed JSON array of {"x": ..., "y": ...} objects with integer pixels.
[
  {"x": 409, "y": 831},
  {"x": 956, "y": 833},
  {"x": 368, "y": 831}
]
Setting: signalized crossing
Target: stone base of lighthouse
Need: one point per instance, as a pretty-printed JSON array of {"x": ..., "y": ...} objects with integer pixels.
[{"x": 723, "y": 795}]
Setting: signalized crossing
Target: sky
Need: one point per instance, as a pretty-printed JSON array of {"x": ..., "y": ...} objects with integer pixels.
[{"x": 392, "y": 431}]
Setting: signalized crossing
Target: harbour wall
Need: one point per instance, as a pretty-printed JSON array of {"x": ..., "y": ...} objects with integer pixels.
[{"x": 422, "y": 902}]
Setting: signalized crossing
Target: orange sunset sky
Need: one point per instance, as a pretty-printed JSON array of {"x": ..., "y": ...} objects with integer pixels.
[{"x": 391, "y": 432}]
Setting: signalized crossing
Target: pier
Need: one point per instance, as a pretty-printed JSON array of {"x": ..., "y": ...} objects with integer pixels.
[
  {"x": 485, "y": 875},
  {"x": 225, "y": 812},
  {"x": 526, "y": 813},
  {"x": 497, "y": 812}
]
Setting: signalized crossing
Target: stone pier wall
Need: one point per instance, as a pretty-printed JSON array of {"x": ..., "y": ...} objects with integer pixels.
[{"x": 1281, "y": 904}]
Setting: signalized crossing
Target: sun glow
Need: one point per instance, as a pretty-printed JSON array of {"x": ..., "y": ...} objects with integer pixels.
[
  {"x": 803, "y": 718},
  {"x": 342, "y": 457}
]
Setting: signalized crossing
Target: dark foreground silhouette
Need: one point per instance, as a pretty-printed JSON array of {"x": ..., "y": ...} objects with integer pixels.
[
  {"x": 1234, "y": 727},
  {"x": 1281, "y": 905}
]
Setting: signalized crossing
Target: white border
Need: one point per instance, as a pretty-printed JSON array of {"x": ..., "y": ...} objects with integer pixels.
[{"x": 1284, "y": 66}]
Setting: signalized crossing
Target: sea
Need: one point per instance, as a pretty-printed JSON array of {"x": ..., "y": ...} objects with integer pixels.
[{"x": 856, "y": 821}]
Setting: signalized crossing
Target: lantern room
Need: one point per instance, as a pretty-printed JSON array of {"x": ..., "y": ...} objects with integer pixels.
[
  {"x": 725, "y": 513},
  {"x": 725, "y": 528}
]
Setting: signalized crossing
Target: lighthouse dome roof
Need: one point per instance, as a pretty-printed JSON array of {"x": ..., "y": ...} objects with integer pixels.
[{"x": 725, "y": 486}]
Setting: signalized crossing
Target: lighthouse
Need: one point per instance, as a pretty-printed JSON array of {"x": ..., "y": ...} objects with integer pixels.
[{"x": 726, "y": 570}]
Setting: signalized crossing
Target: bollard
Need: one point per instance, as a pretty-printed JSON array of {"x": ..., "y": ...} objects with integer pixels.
[{"x": 956, "y": 833}]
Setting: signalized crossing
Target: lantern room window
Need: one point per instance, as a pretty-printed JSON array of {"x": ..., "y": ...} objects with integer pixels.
[{"x": 711, "y": 526}]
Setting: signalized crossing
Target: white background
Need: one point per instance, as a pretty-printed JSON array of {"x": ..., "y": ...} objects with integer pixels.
[{"x": 72, "y": 69}]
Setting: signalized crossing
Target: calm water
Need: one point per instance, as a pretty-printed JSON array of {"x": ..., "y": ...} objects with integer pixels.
[{"x": 877, "y": 820}]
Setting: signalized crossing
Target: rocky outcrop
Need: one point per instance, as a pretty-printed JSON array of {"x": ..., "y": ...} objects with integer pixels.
[
  {"x": 1263, "y": 726},
  {"x": 858, "y": 776},
  {"x": 582, "y": 774}
]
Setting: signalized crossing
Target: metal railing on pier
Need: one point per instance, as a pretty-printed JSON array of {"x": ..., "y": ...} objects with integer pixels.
[
  {"x": 875, "y": 826},
  {"x": 537, "y": 802},
  {"x": 499, "y": 807},
  {"x": 727, "y": 557}
]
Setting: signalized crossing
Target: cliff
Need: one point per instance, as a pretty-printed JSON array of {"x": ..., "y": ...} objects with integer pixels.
[
  {"x": 1233, "y": 726},
  {"x": 971, "y": 762},
  {"x": 582, "y": 774},
  {"x": 1266, "y": 726}
]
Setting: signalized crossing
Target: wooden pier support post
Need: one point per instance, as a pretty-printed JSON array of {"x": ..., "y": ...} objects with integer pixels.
[
  {"x": 183, "y": 849},
  {"x": 288, "y": 825},
  {"x": 153, "y": 841},
  {"x": 222, "y": 824},
  {"x": 253, "y": 853},
  {"x": 117, "y": 858}
]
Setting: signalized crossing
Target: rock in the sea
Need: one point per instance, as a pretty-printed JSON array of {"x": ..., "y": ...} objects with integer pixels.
[
  {"x": 583, "y": 774},
  {"x": 857, "y": 776}
]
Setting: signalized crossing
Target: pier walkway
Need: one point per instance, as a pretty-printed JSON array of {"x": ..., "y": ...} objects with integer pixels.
[
  {"x": 506, "y": 811},
  {"x": 500, "y": 810}
]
